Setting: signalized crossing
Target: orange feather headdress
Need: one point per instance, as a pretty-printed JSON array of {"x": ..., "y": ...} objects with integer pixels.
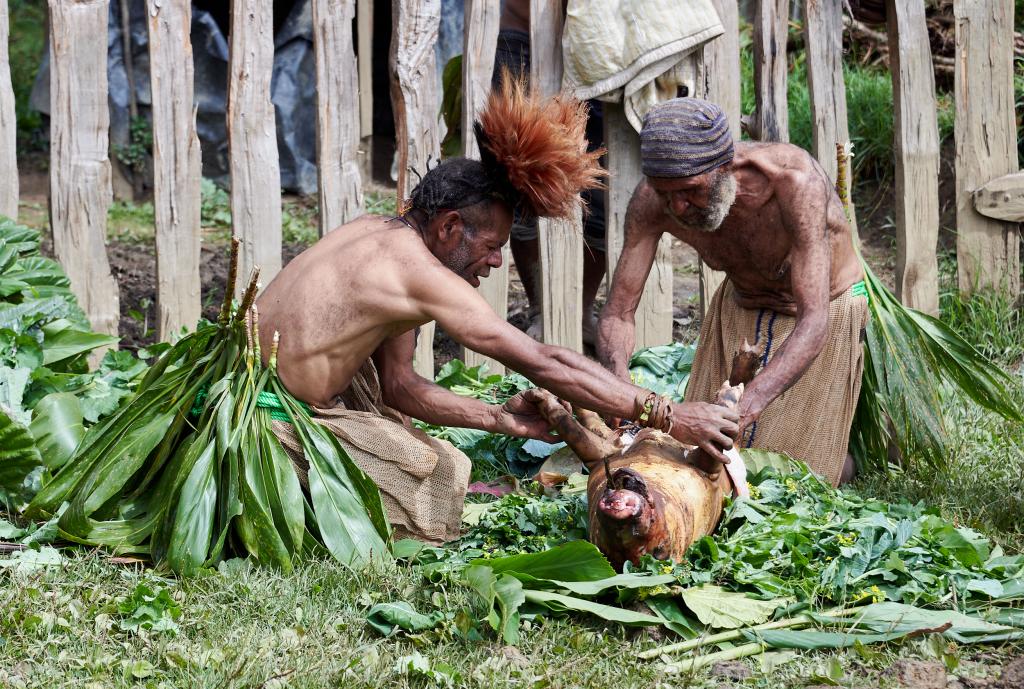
[{"x": 539, "y": 146}]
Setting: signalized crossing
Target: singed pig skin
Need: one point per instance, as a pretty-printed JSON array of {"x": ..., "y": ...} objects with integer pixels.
[
  {"x": 662, "y": 496},
  {"x": 676, "y": 502}
]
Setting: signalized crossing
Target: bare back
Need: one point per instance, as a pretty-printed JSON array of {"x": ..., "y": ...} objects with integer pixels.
[
  {"x": 755, "y": 244},
  {"x": 336, "y": 302}
]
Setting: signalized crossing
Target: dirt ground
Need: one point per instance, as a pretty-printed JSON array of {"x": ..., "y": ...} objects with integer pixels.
[{"x": 133, "y": 265}]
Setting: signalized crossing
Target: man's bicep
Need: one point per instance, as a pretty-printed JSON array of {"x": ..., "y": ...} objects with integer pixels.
[{"x": 805, "y": 211}]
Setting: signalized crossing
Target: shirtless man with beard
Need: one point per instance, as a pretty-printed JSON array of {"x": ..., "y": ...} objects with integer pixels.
[
  {"x": 766, "y": 215},
  {"x": 348, "y": 307}
]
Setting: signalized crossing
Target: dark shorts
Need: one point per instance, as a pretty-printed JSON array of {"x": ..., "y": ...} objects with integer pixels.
[{"x": 513, "y": 52}]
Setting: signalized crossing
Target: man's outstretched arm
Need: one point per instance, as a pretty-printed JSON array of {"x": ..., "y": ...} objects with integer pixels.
[
  {"x": 414, "y": 395},
  {"x": 464, "y": 315},
  {"x": 616, "y": 333}
]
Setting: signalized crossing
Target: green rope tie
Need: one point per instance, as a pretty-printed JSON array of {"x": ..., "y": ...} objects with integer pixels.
[
  {"x": 265, "y": 400},
  {"x": 860, "y": 289}
]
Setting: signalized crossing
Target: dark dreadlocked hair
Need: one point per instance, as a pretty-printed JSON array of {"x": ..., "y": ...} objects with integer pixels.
[{"x": 459, "y": 183}]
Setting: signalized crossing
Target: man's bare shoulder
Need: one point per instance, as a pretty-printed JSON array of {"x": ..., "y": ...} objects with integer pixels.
[
  {"x": 789, "y": 167},
  {"x": 645, "y": 207}
]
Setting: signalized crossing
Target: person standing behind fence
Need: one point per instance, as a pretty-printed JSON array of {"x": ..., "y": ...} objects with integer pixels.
[{"x": 513, "y": 54}]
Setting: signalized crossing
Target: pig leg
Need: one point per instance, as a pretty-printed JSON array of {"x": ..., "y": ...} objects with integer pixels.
[
  {"x": 744, "y": 367},
  {"x": 590, "y": 447},
  {"x": 594, "y": 423}
]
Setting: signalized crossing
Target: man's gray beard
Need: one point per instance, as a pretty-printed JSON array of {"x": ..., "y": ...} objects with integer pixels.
[{"x": 720, "y": 200}]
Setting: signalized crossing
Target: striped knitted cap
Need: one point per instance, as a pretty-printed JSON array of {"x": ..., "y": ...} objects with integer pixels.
[{"x": 684, "y": 137}]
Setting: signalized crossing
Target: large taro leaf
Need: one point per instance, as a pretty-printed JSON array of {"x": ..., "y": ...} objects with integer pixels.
[
  {"x": 556, "y": 602},
  {"x": 723, "y": 609},
  {"x": 24, "y": 239},
  {"x": 18, "y": 454},
  {"x": 12, "y": 390},
  {"x": 506, "y": 591},
  {"x": 57, "y": 428},
  {"x": 572, "y": 561},
  {"x": 62, "y": 341}
]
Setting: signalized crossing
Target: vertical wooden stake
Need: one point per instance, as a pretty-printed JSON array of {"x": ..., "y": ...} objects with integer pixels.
[
  {"x": 917, "y": 156},
  {"x": 80, "y": 191},
  {"x": 8, "y": 127},
  {"x": 561, "y": 242},
  {"x": 721, "y": 85},
  {"x": 176, "y": 165},
  {"x": 481, "y": 40},
  {"x": 987, "y": 250},
  {"x": 823, "y": 36},
  {"x": 337, "y": 114},
  {"x": 654, "y": 314},
  {"x": 771, "y": 29},
  {"x": 364, "y": 57},
  {"x": 252, "y": 138},
  {"x": 415, "y": 97}
]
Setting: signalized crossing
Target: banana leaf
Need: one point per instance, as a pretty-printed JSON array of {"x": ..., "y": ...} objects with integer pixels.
[
  {"x": 914, "y": 366},
  {"x": 189, "y": 470}
]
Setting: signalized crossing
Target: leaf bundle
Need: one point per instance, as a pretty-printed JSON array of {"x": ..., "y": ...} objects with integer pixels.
[
  {"x": 913, "y": 364},
  {"x": 189, "y": 470}
]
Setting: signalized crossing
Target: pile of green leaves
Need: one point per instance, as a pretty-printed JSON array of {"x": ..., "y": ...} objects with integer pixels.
[
  {"x": 492, "y": 454},
  {"x": 770, "y": 577},
  {"x": 47, "y": 392},
  {"x": 801, "y": 538},
  {"x": 665, "y": 369},
  {"x": 189, "y": 471}
]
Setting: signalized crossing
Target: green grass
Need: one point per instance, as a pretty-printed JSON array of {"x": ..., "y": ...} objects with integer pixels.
[
  {"x": 869, "y": 106},
  {"x": 27, "y": 43},
  {"x": 251, "y": 627},
  {"x": 134, "y": 222}
]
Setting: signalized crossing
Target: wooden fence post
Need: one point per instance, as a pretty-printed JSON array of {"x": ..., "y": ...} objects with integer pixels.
[
  {"x": 771, "y": 30},
  {"x": 364, "y": 57},
  {"x": 8, "y": 127},
  {"x": 80, "y": 191},
  {"x": 917, "y": 156},
  {"x": 561, "y": 241},
  {"x": 176, "y": 166},
  {"x": 252, "y": 138},
  {"x": 481, "y": 40},
  {"x": 415, "y": 97},
  {"x": 823, "y": 37},
  {"x": 721, "y": 85},
  {"x": 337, "y": 114},
  {"x": 988, "y": 251},
  {"x": 654, "y": 314}
]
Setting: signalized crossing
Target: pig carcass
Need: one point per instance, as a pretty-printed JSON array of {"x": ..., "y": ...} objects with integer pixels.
[{"x": 651, "y": 494}]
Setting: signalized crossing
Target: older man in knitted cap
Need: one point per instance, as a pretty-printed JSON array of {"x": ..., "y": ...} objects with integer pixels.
[{"x": 767, "y": 215}]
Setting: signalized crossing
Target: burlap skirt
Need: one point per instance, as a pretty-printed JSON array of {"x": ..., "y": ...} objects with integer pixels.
[
  {"x": 422, "y": 480},
  {"x": 810, "y": 421}
]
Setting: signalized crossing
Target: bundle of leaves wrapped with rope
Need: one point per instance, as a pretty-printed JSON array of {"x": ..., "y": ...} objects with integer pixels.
[
  {"x": 913, "y": 364},
  {"x": 190, "y": 472}
]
